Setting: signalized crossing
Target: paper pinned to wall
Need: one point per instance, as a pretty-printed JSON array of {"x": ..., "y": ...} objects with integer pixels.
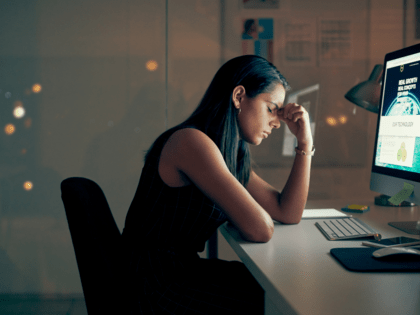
[
  {"x": 299, "y": 42},
  {"x": 258, "y": 37},
  {"x": 335, "y": 42}
]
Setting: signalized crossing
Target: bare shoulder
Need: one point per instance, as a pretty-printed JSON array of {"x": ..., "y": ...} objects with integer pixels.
[
  {"x": 189, "y": 136},
  {"x": 185, "y": 148},
  {"x": 192, "y": 148},
  {"x": 189, "y": 141}
]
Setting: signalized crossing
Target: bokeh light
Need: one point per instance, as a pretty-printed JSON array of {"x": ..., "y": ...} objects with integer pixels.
[
  {"x": 28, "y": 122},
  {"x": 19, "y": 112},
  {"x": 151, "y": 65},
  {"x": 23, "y": 151},
  {"x": 343, "y": 119},
  {"x": 18, "y": 104},
  {"x": 331, "y": 121},
  {"x": 36, "y": 88},
  {"x": 28, "y": 185},
  {"x": 9, "y": 129}
]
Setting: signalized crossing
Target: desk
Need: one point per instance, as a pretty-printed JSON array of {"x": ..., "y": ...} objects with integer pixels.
[{"x": 299, "y": 275}]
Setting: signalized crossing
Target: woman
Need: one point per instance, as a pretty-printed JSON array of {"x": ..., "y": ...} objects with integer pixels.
[{"x": 197, "y": 176}]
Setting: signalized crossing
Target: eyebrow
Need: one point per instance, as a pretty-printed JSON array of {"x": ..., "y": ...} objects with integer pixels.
[{"x": 274, "y": 104}]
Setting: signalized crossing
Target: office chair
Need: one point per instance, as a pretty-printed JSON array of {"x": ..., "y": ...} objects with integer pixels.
[{"x": 96, "y": 241}]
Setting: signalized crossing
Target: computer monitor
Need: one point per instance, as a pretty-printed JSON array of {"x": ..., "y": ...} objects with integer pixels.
[{"x": 396, "y": 158}]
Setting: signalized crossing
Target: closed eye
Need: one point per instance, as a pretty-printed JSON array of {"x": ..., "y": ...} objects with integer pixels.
[{"x": 269, "y": 109}]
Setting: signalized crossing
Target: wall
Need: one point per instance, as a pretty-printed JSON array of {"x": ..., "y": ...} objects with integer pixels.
[
  {"x": 99, "y": 107},
  {"x": 98, "y": 111}
]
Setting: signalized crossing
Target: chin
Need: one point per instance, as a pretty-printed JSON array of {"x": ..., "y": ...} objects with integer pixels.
[{"x": 256, "y": 141}]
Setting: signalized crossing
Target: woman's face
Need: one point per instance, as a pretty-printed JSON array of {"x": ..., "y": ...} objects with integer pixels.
[{"x": 259, "y": 115}]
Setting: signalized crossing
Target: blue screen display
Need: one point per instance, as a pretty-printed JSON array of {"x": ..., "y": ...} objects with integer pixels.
[{"x": 398, "y": 145}]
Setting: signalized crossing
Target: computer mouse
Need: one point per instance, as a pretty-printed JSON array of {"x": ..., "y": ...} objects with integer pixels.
[{"x": 395, "y": 251}]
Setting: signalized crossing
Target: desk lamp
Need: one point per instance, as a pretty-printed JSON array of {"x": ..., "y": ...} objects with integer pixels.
[{"x": 367, "y": 95}]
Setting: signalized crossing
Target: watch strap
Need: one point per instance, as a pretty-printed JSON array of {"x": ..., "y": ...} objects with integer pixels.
[{"x": 301, "y": 152}]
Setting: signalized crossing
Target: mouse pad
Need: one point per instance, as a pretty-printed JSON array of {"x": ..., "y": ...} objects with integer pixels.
[{"x": 360, "y": 259}]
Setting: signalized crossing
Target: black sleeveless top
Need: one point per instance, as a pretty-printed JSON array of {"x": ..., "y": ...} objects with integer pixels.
[
  {"x": 164, "y": 229},
  {"x": 170, "y": 217}
]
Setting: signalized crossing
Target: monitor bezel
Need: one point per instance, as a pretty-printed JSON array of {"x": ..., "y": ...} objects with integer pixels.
[{"x": 380, "y": 169}]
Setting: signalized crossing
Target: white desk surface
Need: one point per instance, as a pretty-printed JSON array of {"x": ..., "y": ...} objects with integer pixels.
[{"x": 299, "y": 275}]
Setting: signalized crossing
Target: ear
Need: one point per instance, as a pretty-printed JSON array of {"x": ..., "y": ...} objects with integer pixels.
[{"x": 237, "y": 96}]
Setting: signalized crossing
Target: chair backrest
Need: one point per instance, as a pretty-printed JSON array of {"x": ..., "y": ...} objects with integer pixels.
[{"x": 96, "y": 241}]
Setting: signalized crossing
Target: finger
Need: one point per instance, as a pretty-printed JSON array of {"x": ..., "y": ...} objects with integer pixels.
[
  {"x": 287, "y": 121},
  {"x": 283, "y": 119},
  {"x": 294, "y": 114},
  {"x": 299, "y": 109},
  {"x": 294, "y": 117},
  {"x": 282, "y": 116},
  {"x": 296, "y": 108},
  {"x": 288, "y": 108}
]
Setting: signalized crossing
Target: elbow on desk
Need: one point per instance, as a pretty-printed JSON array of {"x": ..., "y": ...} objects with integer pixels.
[
  {"x": 261, "y": 236},
  {"x": 291, "y": 221},
  {"x": 293, "y": 218}
]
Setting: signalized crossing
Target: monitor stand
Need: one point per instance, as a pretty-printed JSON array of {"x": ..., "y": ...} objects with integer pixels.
[
  {"x": 382, "y": 200},
  {"x": 410, "y": 227}
]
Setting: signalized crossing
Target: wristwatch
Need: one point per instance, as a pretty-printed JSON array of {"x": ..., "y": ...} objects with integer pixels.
[{"x": 301, "y": 152}]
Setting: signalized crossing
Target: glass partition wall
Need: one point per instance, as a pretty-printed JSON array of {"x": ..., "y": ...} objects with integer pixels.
[
  {"x": 86, "y": 86},
  {"x": 82, "y": 93}
]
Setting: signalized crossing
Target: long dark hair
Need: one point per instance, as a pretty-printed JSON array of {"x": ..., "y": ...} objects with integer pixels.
[{"x": 217, "y": 117}]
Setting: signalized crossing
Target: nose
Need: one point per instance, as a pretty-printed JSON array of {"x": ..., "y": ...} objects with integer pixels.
[{"x": 276, "y": 123}]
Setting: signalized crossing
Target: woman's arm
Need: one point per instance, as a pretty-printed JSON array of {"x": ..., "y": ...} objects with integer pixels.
[
  {"x": 195, "y": 155},
  {"x": 287, "y": 206}
]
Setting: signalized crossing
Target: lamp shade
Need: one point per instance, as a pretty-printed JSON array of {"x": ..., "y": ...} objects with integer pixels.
[{"x": 367, "y": 93}]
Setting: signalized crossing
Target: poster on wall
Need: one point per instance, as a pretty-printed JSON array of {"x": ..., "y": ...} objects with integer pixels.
[
  {"x": 257, "y": 37},
  {"x": 260, "y": 4},
  {"x": 335, "y": 42},
  {"x": 299, "y": 43}
]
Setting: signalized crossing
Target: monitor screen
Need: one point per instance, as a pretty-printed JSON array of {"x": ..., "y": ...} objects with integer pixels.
[{"x": 396, "y": 157}]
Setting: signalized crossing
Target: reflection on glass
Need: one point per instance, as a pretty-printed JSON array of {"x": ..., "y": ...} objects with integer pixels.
[
  {"x": 343, "y": 119},
  {"x": 9, "y": 129},
  {"x": 151, "y": 65},
  {"x": 28, "y": 122},
  {"x": 19, "y": 112},
  {"x": 331, "y": 121},
  {"x": 36, "y": 88},
  {"x": 27, "y": 185}
]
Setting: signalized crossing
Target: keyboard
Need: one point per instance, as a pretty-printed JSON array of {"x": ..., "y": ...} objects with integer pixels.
[{"x": 347, "y": 228}]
